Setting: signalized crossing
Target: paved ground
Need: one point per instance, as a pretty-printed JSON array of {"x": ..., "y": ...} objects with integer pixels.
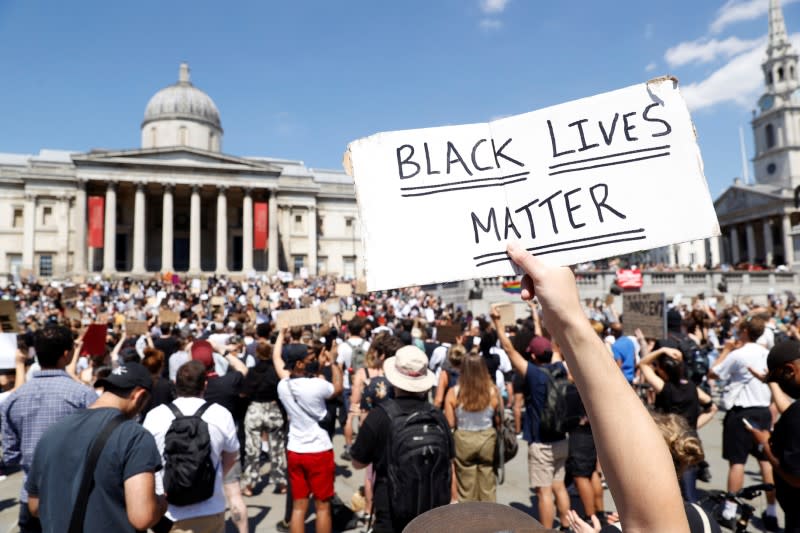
[{"x": 266, "y": 509}]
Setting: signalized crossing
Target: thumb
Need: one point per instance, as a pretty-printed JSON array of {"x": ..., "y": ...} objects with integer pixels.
[{"x": 524, "y": 259}]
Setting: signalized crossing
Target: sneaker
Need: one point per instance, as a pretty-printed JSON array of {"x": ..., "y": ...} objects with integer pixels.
[
  {"x": 770, "y": 522},
  {"x": 346, "y": 454},
  {"x": 282, "y": 526}
]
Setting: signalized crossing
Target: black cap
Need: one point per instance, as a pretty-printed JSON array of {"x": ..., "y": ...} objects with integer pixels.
[
  {"x": 782, "y": 353},
  {"x": 293, "y": 353},
  {"x": 127, "y": 377}
]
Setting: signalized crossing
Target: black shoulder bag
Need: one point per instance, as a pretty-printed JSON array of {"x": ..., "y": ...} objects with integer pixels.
[{"x": 87, "y": 483}]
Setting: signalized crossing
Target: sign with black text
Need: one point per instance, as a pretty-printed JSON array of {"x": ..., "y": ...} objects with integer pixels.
[
  {"x": 646, "y": 311},
  {"x": 580, "y": 181}
]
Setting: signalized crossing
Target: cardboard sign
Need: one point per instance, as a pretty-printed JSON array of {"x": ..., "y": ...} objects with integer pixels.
[
  {"x": 447, "y": 334},
  {"x": 217, "y": 301},
  {"x": 285, "y": 277},
  {"x": 69, "y": 294},
  {"x": 646, "y": 311},
  {"x": 333, "y": 306},
  {"x": 347, "y": 316},
  {"x": 166, "y": 316},
  {"x": 299, "y": 317},
  {"x": 294, "y": 293},
  {"x": 72, "y": 314},
  {"x": 8, "y": 317},
  {"x": 198, "y": 309},
  {"x": 102, "y": 318},
  {"x": 136, "y": 327},
  {"x": 343, "y": 290},
  {"x": 361, "y": 286},
  {"x": 94, "y": 340},
  {"x": 508, "y": 317},
  {"x": 571, "y": 183},
  {"x": 8, "y": 351}
]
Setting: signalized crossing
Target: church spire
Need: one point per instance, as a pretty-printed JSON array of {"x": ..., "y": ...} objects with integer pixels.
[
  {"x": 778, "y": 38},
  {"x": 780, "y": 63},
  {"x": 183, "y": 73}
]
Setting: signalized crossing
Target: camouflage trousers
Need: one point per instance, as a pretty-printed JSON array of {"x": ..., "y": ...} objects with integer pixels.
[{"x": 267, "y": 417}]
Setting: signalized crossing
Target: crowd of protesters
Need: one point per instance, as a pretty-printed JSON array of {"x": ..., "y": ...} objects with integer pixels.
[{"x": 170, "y": 428}]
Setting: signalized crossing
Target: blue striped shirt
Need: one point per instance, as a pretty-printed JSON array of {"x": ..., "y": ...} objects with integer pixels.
[{"x": 48, "y": 397}]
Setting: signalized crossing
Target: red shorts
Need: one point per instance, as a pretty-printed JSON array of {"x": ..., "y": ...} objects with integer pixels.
[{"x": 311, "y": 473}]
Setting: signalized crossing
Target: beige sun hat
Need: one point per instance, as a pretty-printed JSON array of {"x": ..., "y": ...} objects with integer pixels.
[{"x": 408, "y": 370}]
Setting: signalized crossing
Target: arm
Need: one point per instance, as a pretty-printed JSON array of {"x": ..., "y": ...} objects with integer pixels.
[
  {"x": 235, "y": 363},
  {"x": 338, "y": 380},
  {"x": 117, "y": 349},
  {"x": 144, "y": 507},
  {"x": 356, "y": 390},
  {"x": 706, "y": 416},
  {"x": 537, "y": 322},
  {"x": 438, "y": 401},
  {"x": 646, "y": 367},
  {"x": 277, "y": 359},
  {"x": 228, "y": 460},
  {"x": 723, "y": 354},
  {"x": 781, "y": 399},
  {"x": 517, "y": 361},
  {"x": 72, "y": 366},
  {"x": 19, "y": 370},
  {"x": 33, "y": 505},
  {"x": 642, "y": 479},
  {"x": 450, "y": 408},
  {"x": 762, "y": 437}
]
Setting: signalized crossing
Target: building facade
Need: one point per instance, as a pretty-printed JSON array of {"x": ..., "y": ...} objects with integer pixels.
[{"x": 177, "y": 204}]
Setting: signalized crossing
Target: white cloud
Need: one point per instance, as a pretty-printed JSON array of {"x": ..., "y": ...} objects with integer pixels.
[
  {"x": 705, "y": 50},
  {"x": 489, "y": 24},
  {"x": 493, "y": 6},
  {"x": 738, "y": 81},
  {"x": 734, "y": 11},
  {"x": 650, "y": 67}
]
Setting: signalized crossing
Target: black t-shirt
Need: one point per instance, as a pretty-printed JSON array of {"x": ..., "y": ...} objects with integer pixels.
[
  {"x": 58, "y": 464},
  {"x": 680, "y": 399},
  {"x": 224, "y": 390},
  {"x": 261, "y": 382},
  {"x": 785, "y": 443},
  {"x": 163, "y": 392}
]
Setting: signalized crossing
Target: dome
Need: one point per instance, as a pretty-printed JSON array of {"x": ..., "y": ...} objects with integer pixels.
[{"x": 182, "y": 101}]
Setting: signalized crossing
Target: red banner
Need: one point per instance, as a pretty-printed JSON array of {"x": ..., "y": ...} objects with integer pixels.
[
  {"x": 96, "y": 220},
  {"x": 260, "y": 218},
  {"x": 629, "y": 278}
]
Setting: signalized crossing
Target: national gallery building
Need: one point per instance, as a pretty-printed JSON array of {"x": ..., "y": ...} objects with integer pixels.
[{"x": 176, "y": 204}]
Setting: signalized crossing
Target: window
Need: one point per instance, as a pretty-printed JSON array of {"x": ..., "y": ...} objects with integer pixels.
[
  {"x": 16, "y": 221},
  {"x": 349, "y": 266},
  {"x": 771, "y": 168},
  {"x": 769, "y": 78},
  {"x": 780, "y": 73},
  {"x": 322, "y": 265},
  {"x": 299, "y": 262},
  {"x": 47, "y": 215},
  {"x": 45, "y": 265},
  {"x": 791, "y": 73},
  {"x": 348, "y": 222},
  {"x": 153, "y": 136},
  {"x": 211, "y": 142},
  {"x": 769, "y": 134},
  {"x": 298, "y": 226},
  {"x": 298, "y": 219},
  {"x": 183, "y": 135}
]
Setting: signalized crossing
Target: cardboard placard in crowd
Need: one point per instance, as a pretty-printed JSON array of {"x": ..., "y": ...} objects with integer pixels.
[
  {"x": 333, "y": 306},
  {"x": 447, "y": 334},
  {"x": 167, "y": 316},
  {"x": 136, "y": 327},
  {"x": 69, "y": 294},
  {"x": 306, "y": 301},
  {"x": 285, "y": 277},
  {"x": 79, "y": 280},
  {"x": 72, "y": 314},
  {"x": 94, "y": 340},
  {"x": 645, "y": 311},
  {"x": 263, "y": 304},
  {"x": 361, "y": 287},
  {"x": 299, "y": 317},
  {"x": 8, "y": 351},
  {"x": 102, "y": 318},
  {"x": 347, "y": 316},
  {"x": 508, "y": 316},
  {"x": 571, "y": 183},
  {"x": 198, "y": 309},
  {"x": 294, "y": 293},
  {"x": 217, "y": 301},
  {"x": 343, "y": 290},
  {"x": 8, "y": 317}
]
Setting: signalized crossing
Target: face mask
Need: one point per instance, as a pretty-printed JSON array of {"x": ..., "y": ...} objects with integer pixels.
[{"x": 312, "y": 368}]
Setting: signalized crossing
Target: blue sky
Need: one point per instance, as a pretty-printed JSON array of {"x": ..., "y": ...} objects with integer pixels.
[{"x": 301, "y": 79}]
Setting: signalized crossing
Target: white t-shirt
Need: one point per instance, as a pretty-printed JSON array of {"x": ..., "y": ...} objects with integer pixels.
[
  {"x": 305, "y": 433},
  {"x": 504, "y": 368},
  {"x": 222, "y": 431},
  {"x": 744, "y": 389},
  {"x": 345, "y": 356}
]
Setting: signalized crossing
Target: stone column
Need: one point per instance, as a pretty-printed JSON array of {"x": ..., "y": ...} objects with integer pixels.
[
  {"x": 247, "y": 230},
  {"x": 79, "y": 257},
  {"x": 167, "y": 221},
  {"x": 713, "y": 248},
  {"x": 194, "y": 231},
  {"x": 734, "y": 245},
  {"x": 272, "y": 237},
  {"x": 788, "y": 243},
  {"x": 29, "y": 232},
  {"x": 312, "y": 240},
  {"x": 750, "y": 235},
  {"x": 63, "y": 221},
  {"x": 110, "y": 241},
  {"x": 222, "y": 230},
  {"x": 768, "y": 246},
  {"x": 670, "y": 251},
  {"x": 139, "y": 229}
]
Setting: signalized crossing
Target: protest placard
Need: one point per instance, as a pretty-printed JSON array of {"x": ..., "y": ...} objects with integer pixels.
[
  {"x": 8, "y": 317},
  {"x": 571, "y": 183},
  {"x": 447, "y": 334},
  {"x": 94, "y": 340},
  {"x": 347, "y": 316},
  {"x": 299, "y": 317},
  {"x": 167, "y": 316},
  {"x": 285, "y": 277},
  {"x": 217, "y": 301},
  {"x": 333, "y": 306},
  {"x": 69, "y": 294},
  {"x": 645, "y": 311},
  {"x": 361, "y": 286},
  {"x": 8, "y": 351},
  {"x": 508, "y": 316},
  {"x": 72, "y": 314},
  {"x": 102, "y": 318},
  {"x": 294, "y": 293},
  {"x": 136, "y": 327},
  {"x": 343, "y": 290}
]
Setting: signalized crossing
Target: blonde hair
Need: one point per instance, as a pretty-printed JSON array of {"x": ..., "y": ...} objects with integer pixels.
[
  {"x": 684, "y": 446},
  {"x": 456, "y": 354}
]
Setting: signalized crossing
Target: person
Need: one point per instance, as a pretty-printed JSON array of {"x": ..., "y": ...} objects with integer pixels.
[
  {"x": 49, "y": 395},
  {"x": 471, "y": 410},
  {"x": 448, "y": 377},
  {"x": 746, "y": 398},
  {"x": 123, "y": 497},
  {"x": 641, "y": 478},
  {"x": 547, "y": 453},
  {"x": 352, "y": 351},
  {"x": 624, "y": 351},
  {"x": 190, "y": 384},
  {"x": 782, "y": 446},
  {"x": 412, "y": 380},
  {"x": 168, "y": 343},
  {"x": 309, "y": 451},
  {"x": 163, "y": 391},
  {"x": 264, "y": 415}
]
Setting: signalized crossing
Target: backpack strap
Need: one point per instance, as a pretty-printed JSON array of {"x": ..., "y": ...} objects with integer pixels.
[
  {"x": 87, "y": 482},
  {"x": 203, "y": 409},
  {"x": 175, "y": 411}
]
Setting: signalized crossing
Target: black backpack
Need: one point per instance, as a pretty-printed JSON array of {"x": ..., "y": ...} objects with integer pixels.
[
  {"x": 418, "y": 458},
  {"x": 695, "y": 359},
  {"x": 189, "y": 474},
  {"x": 554, "y": 419}
]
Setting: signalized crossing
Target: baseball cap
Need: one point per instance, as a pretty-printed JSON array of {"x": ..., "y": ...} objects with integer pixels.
[
  {"x": 128, "y": 377},
  {"x": 539, "y": 345},
  {"x": 782, "y": 353},
  {"x": 293, "y": 353},
  {"x": 203, "y": 352}
]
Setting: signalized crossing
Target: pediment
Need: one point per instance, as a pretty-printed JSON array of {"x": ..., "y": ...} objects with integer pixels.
[
  {"x": 177, "y": 157},
  {"x": 739, "y": 198}
]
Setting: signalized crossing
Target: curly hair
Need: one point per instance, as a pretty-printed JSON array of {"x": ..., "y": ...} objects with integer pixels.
[
  {"x": 684, "y": 445},
  {"x": 153, "y": 360},
  {"x": 383, "y": 346}
]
